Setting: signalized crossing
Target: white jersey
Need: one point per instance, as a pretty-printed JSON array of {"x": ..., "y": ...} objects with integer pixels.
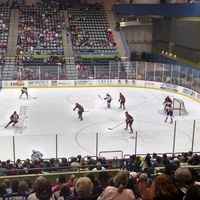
[
  {"x": 24, "y": 89},
  {"x": 109, "y": 98},
  {"x": 36, "y": 155}
]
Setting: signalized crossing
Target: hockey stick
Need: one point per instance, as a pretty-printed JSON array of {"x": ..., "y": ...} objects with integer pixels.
[
  {"x": 84, "y": 110},
  {"x": 100, "y": 97},
  {"x": 32, "y": 97},
  {"x": 116, "y": 126},
  {"x": 3, "y": 124}
]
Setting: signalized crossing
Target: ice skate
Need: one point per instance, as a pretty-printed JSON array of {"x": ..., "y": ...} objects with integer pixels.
[
  {"x": 125, "y": 129},
  {"x": 131, "y": 132}
]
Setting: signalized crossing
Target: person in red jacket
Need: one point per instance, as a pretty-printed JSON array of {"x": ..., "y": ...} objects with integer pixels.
[
  {"x": 13, "y": 119},
  {"x": 129, "y": 121},
  {"x": 80, "y": 111},
  {"x": 122, "y": 100}
]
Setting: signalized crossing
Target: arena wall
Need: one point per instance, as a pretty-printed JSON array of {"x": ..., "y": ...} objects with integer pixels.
[{"x": 102, "y": 83}]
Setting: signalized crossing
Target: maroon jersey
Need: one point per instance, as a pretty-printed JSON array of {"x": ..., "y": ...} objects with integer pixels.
[
  {"x": 14, "y": 117},
  {"x": 80, "y": 108},
  {"x": 129, "y": 118},
  {"x": 167, "y": 99},
  {"x": 121, "y": 97}
]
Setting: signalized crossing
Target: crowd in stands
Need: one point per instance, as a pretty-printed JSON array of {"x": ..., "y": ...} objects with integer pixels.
[
  {"x": 40, "y": 29},
  {"x": 4, "y": 28},
  {"x": 30, "y": 68},
  {"x": 132, "y": 182}
]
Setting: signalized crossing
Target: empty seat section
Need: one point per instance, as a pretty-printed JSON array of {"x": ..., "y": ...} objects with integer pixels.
[{"x": 90, "y": 29}]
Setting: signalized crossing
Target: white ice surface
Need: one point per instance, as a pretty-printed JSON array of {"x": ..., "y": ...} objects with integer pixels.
[{"x": 50, "y": 119}]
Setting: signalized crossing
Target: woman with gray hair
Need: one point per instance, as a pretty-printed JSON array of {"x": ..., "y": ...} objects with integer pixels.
[{"x": 84, "y": 188}]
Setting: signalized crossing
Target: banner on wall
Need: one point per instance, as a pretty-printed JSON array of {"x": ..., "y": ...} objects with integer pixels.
[
  {"x": 83, "y": 83},
  {"x": 105, "y": 82},
  {"x": 189, "y": 92},
  {"x": 167, "y": 86},
  {"x": 14, "y": 83},
  {"x": 64, "y": 83},
  {"x": 126, "y": 82},
  {"x": 38, "y": 83},
  {"x": 0, "y": 84}
]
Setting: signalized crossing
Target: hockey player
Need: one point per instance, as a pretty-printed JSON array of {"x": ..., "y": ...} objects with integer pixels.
[
  {"x": 167, "y": 103},
  {"x": 13, "y": 119},
  {"x": 109, "y": 99},
  {"x": 129, "y": 121},
  {"x": 24, "y": 90},
  {"x": 122, "y": 100},
  {"x": 80, "y": 111},
  {"x": 36, "y": 155},
  {"x": 169, "y": 114}
]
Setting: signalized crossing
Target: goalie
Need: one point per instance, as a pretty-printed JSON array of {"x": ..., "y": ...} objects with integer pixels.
[
  {"x": 167, "y": 103},
  {"x": 169, "y": 114}
]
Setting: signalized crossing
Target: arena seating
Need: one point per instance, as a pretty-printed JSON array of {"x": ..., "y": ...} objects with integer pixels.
[
  {"x": 90, "y": 29},
  {"x": 42, "y": 68},
  {"x": 40, "y": 31},
  {"x": 89, "y": 68},
  {"x": 4, "y": 27}
]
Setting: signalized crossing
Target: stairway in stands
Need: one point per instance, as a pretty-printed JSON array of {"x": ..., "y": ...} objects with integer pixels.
[
  {"x": 12, "y": 45},
  {"x": 70, "y": 69}
]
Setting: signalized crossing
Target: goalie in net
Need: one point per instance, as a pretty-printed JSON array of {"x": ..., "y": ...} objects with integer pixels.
[{"x": 179, "y": 106}]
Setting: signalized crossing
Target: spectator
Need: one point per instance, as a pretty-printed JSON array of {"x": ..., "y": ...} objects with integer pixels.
[
  {"x": 23, "y": 188},
  {"x": 118, "y": 192},
  {"x": 56, "y": 189},
  {"x": 97, "y": 190},
  {"x": 2, "y": 190},
  {"x": 74, "y": 164},
  {"x": 71, "y": 183},
  {"x": 39, "y": 180},
  {"x": 15, "y": 192},
  {"x": 63, "y": 25},
  {"x": 146, "y": 163},
  {"x": 84, "y": 188},
  {"x": 99, "y": 166},
  {"x": 8, "y": 186},
  {"x": 117, "y": 26},
  {"x": 182, "y": 179},
  {"x": 44, "y": 191},
  {"x": 65, "y": 193},
  {"x": 193, "y": 193},
  {"x": 162, "y": 189}
]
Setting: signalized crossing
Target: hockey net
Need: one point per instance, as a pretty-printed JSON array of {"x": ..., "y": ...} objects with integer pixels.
[{"x": 179, "y": 106}]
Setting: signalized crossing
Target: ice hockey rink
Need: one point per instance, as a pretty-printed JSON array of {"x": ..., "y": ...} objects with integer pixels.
[{"x": 49, "y": 124}]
